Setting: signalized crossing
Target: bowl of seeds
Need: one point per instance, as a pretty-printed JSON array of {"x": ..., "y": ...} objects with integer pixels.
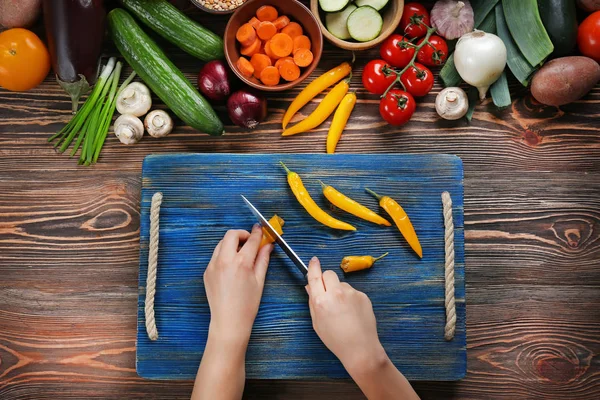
[{"x": 218, "y": 6}]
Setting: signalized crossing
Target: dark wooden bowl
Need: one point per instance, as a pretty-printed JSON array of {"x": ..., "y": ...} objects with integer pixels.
[{"x": 296, "y": 12}]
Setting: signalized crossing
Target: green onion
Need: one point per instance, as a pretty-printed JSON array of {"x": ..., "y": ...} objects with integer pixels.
[
  {"x": 525, "y": 25},
  {"x": 517, "y": 63},
  {"x": 500, "y": 92},
  {"x": 481, "y": 9}
]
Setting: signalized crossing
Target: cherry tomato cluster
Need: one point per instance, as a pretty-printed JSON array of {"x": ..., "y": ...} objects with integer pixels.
[{"x": 397, "y": 65}]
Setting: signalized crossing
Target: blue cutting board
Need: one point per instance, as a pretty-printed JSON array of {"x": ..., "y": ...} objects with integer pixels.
[{"x": 202, "y": 201}]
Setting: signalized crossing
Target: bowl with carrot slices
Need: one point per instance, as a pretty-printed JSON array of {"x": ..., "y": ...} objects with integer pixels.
[{"x": 273, "y": 45}]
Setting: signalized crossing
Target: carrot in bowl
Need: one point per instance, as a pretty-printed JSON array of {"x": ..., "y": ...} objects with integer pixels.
[
  {"x": 245, "y": 67},
  {"x": 281, "y": 22},
  {"x": 254, "y": 22},
  {"x": 252, "y": 49},
  {"x": 282, "y": 60},
  {"x": 293, "y": 29},
  {"x": 268, "y": 50},
  {"x": 260, "y": 62},
  {"x": 266, "y": 30},
  {"x": 289, "y": 70},
  {"x": 281, "y": 45},
  {"x": 270, "y": 76},
  {"x": 246, "y": 35},
  {"x": 267, "y": 13},
  {"x": 302, "y": 42},
  {"x": 303, "y": 57}
]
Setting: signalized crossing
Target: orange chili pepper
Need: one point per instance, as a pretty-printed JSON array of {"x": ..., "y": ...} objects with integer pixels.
[
  {"x": 309, "y": 204},
  {"x": 352, "y": 206},
  {"x": 401, "y": 219},
  {"x": 277, "y": 223},
  {"x": 358, "y": 263}
]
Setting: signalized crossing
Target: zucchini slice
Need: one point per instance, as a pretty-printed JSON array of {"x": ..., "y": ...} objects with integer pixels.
[
  {"x": 337, "y": 23},
  {"x": 376, "y": 4},
  {"x": 333, "y": 5},
  {"x": 365, "y": 24}
]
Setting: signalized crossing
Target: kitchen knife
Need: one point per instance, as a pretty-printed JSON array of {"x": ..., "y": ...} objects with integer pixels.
[{"x": 278, "y": 239}]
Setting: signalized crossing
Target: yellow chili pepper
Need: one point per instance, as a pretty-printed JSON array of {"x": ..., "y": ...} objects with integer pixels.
[
  {"x": 401, "y": 219},
  {"x": 358, "y": 263},
  {"x": 309, "y": 204},
  {"x": 314, "y": 88},
  {"x": 352, "y": 206},
  {"x": 340, "y": 118},
  {"x": 277, "y": 223},
  {"x": 322, "y": 112}
]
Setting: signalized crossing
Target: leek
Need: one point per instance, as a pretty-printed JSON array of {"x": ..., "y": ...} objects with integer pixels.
[{"x": 500, "y": 92}]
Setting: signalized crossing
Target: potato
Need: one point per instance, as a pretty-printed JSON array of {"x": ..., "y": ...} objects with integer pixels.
[
  {"x": 589, "y": 5},
  {"x": 19, "y": 13},
  {"x": 565, "y": 80}
]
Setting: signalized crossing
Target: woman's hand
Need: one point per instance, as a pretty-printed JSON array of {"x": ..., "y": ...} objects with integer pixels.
[
  {"x": 234, "y": 281},
  {"x": 343, "y": 318}
]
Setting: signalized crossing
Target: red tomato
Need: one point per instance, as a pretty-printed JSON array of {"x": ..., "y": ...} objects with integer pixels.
[
  {"x": 418, "y": 81},
  {"x": 378, "y": 76},
  {"x": 397, "y": 51},
  {"x": 588, "y": 36},
  {"x": 397, "y": 107},
  {"x": 414, "y": 19},
  {"x": 430, "y": 57}
]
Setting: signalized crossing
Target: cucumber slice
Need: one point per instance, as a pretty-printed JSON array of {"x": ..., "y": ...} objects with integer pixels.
[
  {"x": 376, "y": 4},
  {"x": 333, "y": 5},
  {"x": 337, "y": 23},
  {"x": 365, "y": 24}
]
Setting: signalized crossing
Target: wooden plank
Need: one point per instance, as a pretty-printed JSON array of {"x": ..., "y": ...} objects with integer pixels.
[{"x": 202, "y": 200}]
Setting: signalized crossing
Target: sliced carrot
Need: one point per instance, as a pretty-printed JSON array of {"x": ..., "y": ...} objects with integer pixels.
[
  {"x": 267, "y": 13},
  {"x": 269, "y": 51},
  {"x": 281, "y": 22},
  {"x": 303, "y": 57},
  {"x": 252, "y": 49},
  {"x": 245, "y": 67},
  {"x": 289, "y": 70},
  {"x": 282, "y": 45},
  {"x": 254, "y": 22},
  {"x": 266, "y": 30},
  {"x": 293, "y": 29},
  {"x": 270, "y": 76},
  {"x": 302, "y": 42},
  {"x": 260, "y": 62},
  {"x": 246, "y": 35},
  {"x": 281, "y": 60}
]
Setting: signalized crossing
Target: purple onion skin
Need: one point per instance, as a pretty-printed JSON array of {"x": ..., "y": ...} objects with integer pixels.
[
  {"x": 213, "y": 81},
  {"x": 247, "y": 108}
]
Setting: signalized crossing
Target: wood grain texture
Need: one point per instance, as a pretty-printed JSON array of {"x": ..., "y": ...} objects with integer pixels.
[
  {"x": 201, "y": 200},
  {"x": 69, "y": 243}
]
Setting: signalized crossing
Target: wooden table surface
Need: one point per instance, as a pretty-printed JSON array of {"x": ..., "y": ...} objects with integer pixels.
[{"x": 69, "y": 242}]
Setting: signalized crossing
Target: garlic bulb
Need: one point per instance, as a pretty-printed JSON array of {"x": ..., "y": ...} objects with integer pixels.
[
  {"x": 453, "y": 18},
  {"x": 129, "y": 129},
  {"x": 480, "y": 58},
  {"x": 452, "y": 103},
  {"x": 158, "y": 123},
  {"x": 135, "y": 100}
]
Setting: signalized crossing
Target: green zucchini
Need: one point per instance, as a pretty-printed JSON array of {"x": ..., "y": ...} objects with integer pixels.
[
  {"x": 560, "y": 19},
  {"x": 160, "y": 74},
  {"x": 173, "y": 25}
]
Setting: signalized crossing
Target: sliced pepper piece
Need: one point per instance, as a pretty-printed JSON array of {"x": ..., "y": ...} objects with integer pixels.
[
  {"x": 309, "y": 204},
  {"x": 353, "y": 207},
  {"x": 401, "y": 219},
  {"x": 277, "y": 223},
  {"x": 358, "y": 263}
]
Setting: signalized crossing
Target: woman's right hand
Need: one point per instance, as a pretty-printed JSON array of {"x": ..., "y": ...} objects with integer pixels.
[{"x": 344, "y": 320}]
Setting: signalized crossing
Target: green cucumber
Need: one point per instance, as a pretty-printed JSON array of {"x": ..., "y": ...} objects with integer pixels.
[
  {"x": 337, "y": 23},
  {"x": 160, "y": 74},
  {"x": 376, "y": 4},
  {"x": 173, "y": 25},
  {"x": 333, "y": 5},
  {"x": 560, "y": 20},
  {"x": 365, "y": 24}
]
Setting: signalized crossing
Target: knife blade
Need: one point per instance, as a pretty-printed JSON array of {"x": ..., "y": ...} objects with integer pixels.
[{"x": 278, "y": 239}]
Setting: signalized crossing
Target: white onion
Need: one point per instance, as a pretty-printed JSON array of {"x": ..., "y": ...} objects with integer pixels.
[{"x": 480, "y": 58}]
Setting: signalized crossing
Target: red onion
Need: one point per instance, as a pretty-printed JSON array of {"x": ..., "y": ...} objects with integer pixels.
[
  {"x": 247, "y": 108},
  {"x": 213, "y": 80}
]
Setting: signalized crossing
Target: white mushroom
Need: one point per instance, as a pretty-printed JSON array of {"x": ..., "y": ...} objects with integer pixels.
[
  {"x": 452, "y": 103},
  {"x": 158, "y": 123},
  {"x": 135, "y": 100},
  {"x": 129, "y": 129}
]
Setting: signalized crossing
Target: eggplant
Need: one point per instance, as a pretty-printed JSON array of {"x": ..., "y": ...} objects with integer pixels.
[{"x": 75, "y": 32}]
